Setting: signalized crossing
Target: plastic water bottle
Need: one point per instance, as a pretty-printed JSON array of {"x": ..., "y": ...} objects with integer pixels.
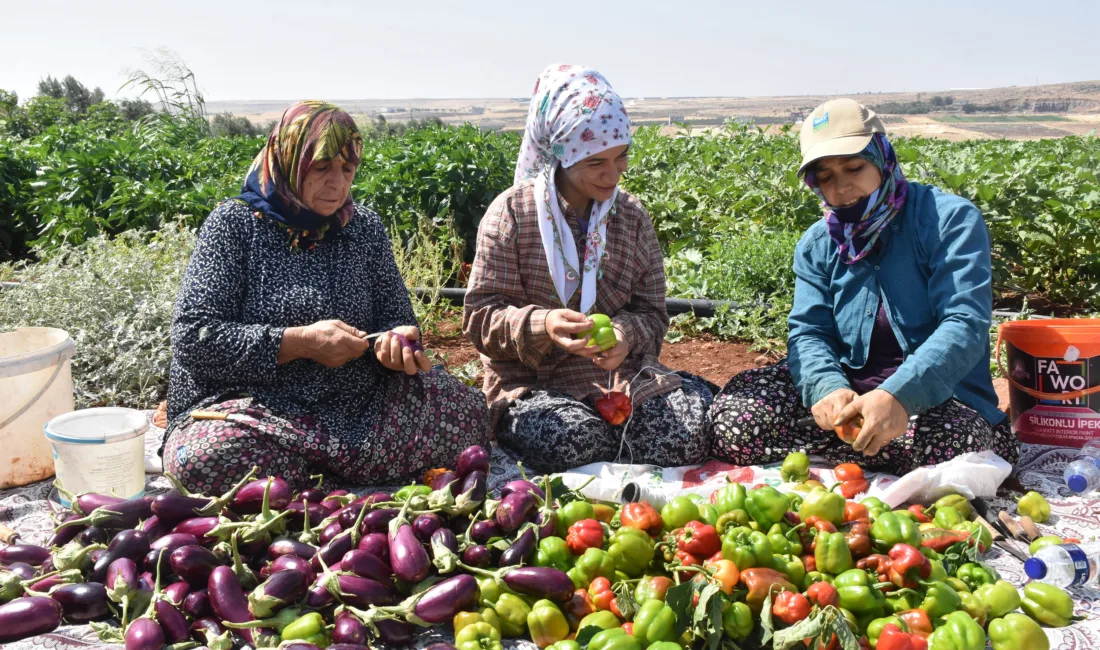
[
  {"x": 1091, "y": 450},
  {"x": 1082, "y": 475},
  {"x": 1065, "y": 565}
]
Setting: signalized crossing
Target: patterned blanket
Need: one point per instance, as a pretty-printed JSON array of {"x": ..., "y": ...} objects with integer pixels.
[{"x": 27, "y": 510}]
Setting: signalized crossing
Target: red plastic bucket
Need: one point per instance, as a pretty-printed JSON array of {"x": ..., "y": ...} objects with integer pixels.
[{"x": 1054, "y": 379}]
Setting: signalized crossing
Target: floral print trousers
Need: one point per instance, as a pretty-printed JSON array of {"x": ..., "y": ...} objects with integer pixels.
[
  {"x": 552, "y": 431},
  {"x": 426, "y": 421},
  {"x": 754, "y": 418}
]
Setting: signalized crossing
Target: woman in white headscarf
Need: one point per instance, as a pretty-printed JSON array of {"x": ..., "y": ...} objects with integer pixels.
[{"x": 563, "y": 245}]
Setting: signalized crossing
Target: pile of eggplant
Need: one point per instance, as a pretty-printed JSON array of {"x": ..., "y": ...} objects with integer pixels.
[{"x": 260, "y": 566}]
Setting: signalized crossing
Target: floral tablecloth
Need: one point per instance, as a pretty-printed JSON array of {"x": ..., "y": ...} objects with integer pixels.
[{"x": 27, "y": 510}]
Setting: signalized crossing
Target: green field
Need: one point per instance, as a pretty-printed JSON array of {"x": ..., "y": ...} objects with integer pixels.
[{"x": 985, "y": 119}]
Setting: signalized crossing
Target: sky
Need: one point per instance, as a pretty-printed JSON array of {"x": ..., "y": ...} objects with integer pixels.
[{"x": 337, "y": 49}]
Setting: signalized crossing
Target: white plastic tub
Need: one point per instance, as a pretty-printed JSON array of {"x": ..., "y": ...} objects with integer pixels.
[
  {"x": 36, "y": 385},
  {"x": 100, "y": 450}
]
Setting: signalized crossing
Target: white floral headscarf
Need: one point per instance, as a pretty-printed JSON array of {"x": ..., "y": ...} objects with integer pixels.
[{"x": 574, "y": 114}]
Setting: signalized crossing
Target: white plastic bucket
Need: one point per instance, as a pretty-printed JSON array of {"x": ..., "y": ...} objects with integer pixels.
[
  {"x": 100, "y": 450},
  {"x": 36, "y": 385}
]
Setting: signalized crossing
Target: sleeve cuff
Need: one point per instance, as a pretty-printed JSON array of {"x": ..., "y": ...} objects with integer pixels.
[
  {"x": 536, "y": 341},
  {"x": 905, "y": 391},
  {"x": 826, "y": 385}
]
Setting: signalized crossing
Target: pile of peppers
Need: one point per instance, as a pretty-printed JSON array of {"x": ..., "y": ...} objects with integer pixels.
[{"x": 756, "y": 567}]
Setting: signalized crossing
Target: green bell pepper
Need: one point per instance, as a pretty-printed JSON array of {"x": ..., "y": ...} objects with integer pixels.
[
  {"x": 654, "y": 621},
  {"x": 553, "y": 552},
  {"x": 567, "y": 644},
  {"x": 490, "y": 589},
  {"x": 812, "y": 577},
  {"x": 1035, "y": 506},
  {"x": 875, "y": 507},
  {"x": 708, "y": 514},
  {"x": 571, "y": 513},
  {"x": 958, "y": 632},
  {"x": 940, "y": 600},
  {"x": 794, "y": 501},
  {"x": 902, "y": 600},
  {"x": 938, "y": 570},
  {"x": 766, "y": 505},
  {"x": 512, "y": 611},
  {"x": 956, "y": 501},
  {"x": 777, "y": 535},
  {"x": 546, "y": 624},
  {"x": 601, "y": 334},
  {"x": 980, "y": 532},
  {"x": 795, "y": 468},
  {"x": 595, "y": 563},
  {"x": 732, "y": 519},
  {"x": 485, "y": 615},
  {"x": 602, "y": 619},
  {"x": 874, "y": 628},
  {"x": 1017, "y": 632},
  {"x": 856, "y": 593},
  {"x": 632, "y": 550},
  {"x": 664, "y": 645},
  {"x": 959, "y": 586},
  {"x": 831, "y": 553},
  {"x": 1043, "y": 542},
  {"x": 678, "y": 512},
  {"x": 308, "y": 627},
  {"x": 410, "y": 491},
  {"x": 737, "y": 621},
  {"x": 478, "y": 636},
  {"x": 1047, "y": 604},
  {"x": 746, "y": 548},
  {"x": 729, "y": 498},
  {"x": 948, "y": 517},
  {"x": 790, "y": 566},
  {"x": 973, "y": 606},
  {"x": 891, "y": 528},
  {"x": 975, "y": 575},
  {"x": 652, "y": 588},
  {"x": 1001, "y": 597},
  {"x": 823, "y": 504},
  {"x": 616, "y": 639}
]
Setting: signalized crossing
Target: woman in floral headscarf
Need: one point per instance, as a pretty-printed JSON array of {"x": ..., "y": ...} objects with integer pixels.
[
  {"x": 890, "y": 325},
  {"x": 565, "y": 243},
  {"x": 285, "y": 282}
]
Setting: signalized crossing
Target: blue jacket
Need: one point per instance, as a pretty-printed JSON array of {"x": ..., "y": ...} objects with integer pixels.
[{"x": 933, "y": 273}]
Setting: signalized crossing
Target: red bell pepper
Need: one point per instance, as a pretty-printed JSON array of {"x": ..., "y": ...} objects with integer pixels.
[
  {"x": 856, "y": 511},
  {"x": 892, "y": 638},
  {"x": 822, "y": 594},
  {"x": 878, "y": 563},
  {"x": 699, "y": 539},
  {"x": 853, "y": 487},
  {"x": 643, "y": 516},
  {"x": 848, "y": 472},
  {"x": 908, "y": 566},
  {"x": 790, "y": 607},
  {"x": 918, "y": 621},
  {"x": 821, "y": 525},
  {"x": 858, "y": 536},
  {"x": 940, "y": 540},
  {"x": 614, "y": 407},
  {"x": 601, "y": 594},
  {"x": 918, "y": 512},
  {"x": 583, "y": 535}
]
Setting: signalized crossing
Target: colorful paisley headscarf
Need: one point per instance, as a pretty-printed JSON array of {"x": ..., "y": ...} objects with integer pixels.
[
  {"x": 574, "y": 114},
  {"x": 308, "y": 132},
  {"x": 856, "y": 234}
]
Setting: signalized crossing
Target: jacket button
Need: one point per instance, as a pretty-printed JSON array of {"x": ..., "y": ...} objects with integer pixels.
[
  {"x": 876, "y": 267},
  {"x": 868, "y": 312}
]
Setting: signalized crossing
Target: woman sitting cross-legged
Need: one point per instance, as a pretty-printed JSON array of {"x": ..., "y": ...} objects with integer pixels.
[
  {"x": 890, "y": 324},
  {"x": 284, "y": 283},
  {"x": 562, "y": 244}
]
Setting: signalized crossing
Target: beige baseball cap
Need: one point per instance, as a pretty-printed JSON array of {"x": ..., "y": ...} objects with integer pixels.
[{"x": 839, "y": 127}]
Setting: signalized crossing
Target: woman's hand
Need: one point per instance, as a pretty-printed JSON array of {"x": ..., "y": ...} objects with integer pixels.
[
  {"x": 562, "y": 324},
  {"x": 884, "y": 418},
  {"x": 331, "y": 343},
  {"x": 828, "y": 407},
  {"x": 614, "y": 357},
  {"x": 393, "y": 355}
]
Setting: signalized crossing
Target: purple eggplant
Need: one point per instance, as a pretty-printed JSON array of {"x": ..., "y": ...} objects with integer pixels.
[
  {"x": 408, "y": 558},
  {"x": 329, "y": 532},
  {"x": 31, "y": 554},
  {"x": 122, "y": 577},
  {"x": 287, "y": 546},
  {"x": 349, "y": 629},
  {"x": 521, "y": 485},
  {"x": 442, "y": 601},
  {"x": 146, "y": 581},
  {"x": 377, "y": 521},
  {"x": 477, "y": 556},
  {"x": 177, "y": 592},
  {"x": 425, "y": 525},
  {"x": 483, "y": 531},
  {"x": 447, "y": 478},
  {"x": 194, "y": 564},
  {"x": 514, "y": 510},
  {"x": 92, "y": 535},
  {"x": 22, "y": 569},
  {"x": 197, "y": 604},
  {"x": 174, "y": 508},
  {"x": 366, "y": 565},
  {"x": 310, "y": 495},
  {"x": 65, "y": 535},
  {"x": 144, "y": 634},
  {"x": 280, "y": 590},
  {"x": 23, "y": 618},
  {"x": 335, "y": 500},
  {"x": 473, "y": 459},
  {"x": 172, "y": 622},
  {"x": 55, "y": 579},
  {"x": 377, "y": 544},
  {"x": 161, "y": 549},
  {"x": 332, "y": 552},
  {"x": 85, "y": 503},
  {"x": 296, "y": 522},
  {"x": 155, "y": 528},
  {"x": 319, "y": 596},
  {"x": 298, "y": 645},
  {"x": 349, "y": 646},
  {"x": 359, "y": 592},
  {"x": 229, "y": 601},
  {"x": 446, "y": 538},
  {"x": 117, "y": 516},
  {"x": 82, "y": 602},
  {"x": 249, "y": 500},
  {"x": 520, "y": 550},
  {"x": 394, "y": 633},
  {"x": 200, "y": 527},
  {"x": 205, "y": 628},
  {"x": 541, "y": 582},
  {"x": 475, "y": 486},
  {"x": 129, "y": 544},
  {"x": 291, "y": 563}
]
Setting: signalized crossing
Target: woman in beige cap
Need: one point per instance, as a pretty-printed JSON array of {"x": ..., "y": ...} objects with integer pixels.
[{"x": 890, "y": 324}]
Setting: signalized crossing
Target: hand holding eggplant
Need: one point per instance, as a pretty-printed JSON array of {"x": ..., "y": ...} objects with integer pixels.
[
  {"x": 400, "y": 351},
  {"x": 331, "y": 343}
]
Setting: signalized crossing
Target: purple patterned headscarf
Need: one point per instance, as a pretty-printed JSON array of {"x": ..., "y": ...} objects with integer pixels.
[{"x": 857, "y": 236}]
